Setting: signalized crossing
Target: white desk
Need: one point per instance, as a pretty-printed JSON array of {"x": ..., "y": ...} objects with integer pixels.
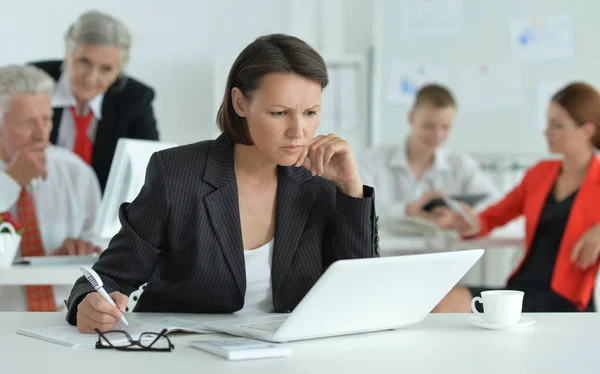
[
  {"x": 397, "y": 246},
  {"x": 19, "y": 275},
  {"x": 57, "y": 275},
  {"x": 558, "y": 343},
  {"x": 511, "y": 235},
  {"x": 492, "y": 270}
]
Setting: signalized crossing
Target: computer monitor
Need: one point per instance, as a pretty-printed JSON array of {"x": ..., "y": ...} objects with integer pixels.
[{"x": 125, "y": 180}]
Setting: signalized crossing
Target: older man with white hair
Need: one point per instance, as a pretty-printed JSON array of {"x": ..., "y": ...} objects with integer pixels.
[
  {"x": 95, "y": 103},
  {"x": 51, "y": 191}
]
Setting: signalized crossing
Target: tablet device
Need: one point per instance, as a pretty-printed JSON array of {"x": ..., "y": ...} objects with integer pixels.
[
  {"x": 434, "y": 203},
  {"x": 470, "y": 200}
]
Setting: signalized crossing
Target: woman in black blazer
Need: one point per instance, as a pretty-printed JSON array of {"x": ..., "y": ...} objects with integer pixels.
[
  {"x": 250, "y": 220},
  {"x": 95, "y": 104}
]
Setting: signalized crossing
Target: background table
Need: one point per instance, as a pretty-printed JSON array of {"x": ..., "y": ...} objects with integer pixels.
[{"x": 19, "y": 275}]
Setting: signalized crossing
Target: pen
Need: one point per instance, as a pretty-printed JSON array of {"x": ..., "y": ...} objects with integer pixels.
[{"x": 96, "y": 282}]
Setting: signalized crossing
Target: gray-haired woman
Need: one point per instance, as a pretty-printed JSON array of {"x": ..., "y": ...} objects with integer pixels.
[{"x": 95, "y": 104}]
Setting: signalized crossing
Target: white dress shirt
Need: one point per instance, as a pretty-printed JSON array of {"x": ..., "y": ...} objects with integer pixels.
[
  {"x": 63, "y": 98},
  {"x": 66, "y": 204},
  {"x": 259, "y": 293},
  {"x": 387, "y": 170}
]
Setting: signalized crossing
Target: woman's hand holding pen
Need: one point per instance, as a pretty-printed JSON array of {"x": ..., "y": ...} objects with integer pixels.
[
  {"x": 96, "y": 313},
  {"x": 331, "y": 157}
]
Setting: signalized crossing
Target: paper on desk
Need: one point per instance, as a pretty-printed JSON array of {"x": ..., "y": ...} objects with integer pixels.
[
  {"x": 71, "y": 337},
  {"x": 184, "y": 325}
]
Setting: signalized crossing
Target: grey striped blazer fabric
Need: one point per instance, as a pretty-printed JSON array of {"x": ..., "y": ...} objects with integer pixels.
[{"x": 182, "y": 235}]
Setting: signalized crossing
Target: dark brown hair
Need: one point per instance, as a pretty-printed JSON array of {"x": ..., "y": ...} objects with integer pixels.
[
  {"x": 435, "y": 95},
  {"x": 582, "y": 102},
  {"x": 267, "y": 54}
]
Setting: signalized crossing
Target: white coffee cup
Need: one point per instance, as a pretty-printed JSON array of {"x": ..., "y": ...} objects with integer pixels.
[{"x": 501, "y": 307}]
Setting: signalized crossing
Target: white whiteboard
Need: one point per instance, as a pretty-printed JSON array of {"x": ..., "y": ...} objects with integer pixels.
[{"x": 482, "y": 40}]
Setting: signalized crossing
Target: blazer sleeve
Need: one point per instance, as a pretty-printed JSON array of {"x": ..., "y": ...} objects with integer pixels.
[
  {"x": 132, "y": 254},
  {"x": 353, "y": 232},
  {"x": 507, "y": 209},
  {"x": 143, "y": 124},
  {"x": 369, "y": 168}
]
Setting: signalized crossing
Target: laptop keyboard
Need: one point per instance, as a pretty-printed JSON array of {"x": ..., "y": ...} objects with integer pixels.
[{"x": 270, "y": 326}]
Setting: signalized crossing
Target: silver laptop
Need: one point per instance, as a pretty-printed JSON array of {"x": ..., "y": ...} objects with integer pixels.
[{"x": 362, "y": 295}]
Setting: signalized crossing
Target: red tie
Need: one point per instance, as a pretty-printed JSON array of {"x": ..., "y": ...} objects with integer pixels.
[
  {"x": 39, "y": 298},
  {"x": 83, "y": 144}
]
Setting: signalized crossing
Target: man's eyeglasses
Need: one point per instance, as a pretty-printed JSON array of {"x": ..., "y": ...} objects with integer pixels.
[{"x": 122, "y": 341}]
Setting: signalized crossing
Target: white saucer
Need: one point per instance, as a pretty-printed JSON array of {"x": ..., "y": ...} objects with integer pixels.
[{"x": 479, "y": 321}]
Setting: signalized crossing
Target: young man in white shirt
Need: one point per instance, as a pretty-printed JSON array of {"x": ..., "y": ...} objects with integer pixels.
[
  {"x": 51, "y": 191},
  {"x": 407, "y": 177}
]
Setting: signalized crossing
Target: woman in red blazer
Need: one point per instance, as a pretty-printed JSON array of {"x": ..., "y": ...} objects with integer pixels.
[{"x": 561, "y": 203}]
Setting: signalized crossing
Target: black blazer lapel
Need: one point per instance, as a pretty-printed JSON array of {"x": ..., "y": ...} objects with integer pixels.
[
  {"x": 223, "y": 207},
  {"x": 53, "y": 68},
  {"x": 104, "y": 130},
  {"x": 294, "y": 203},
  {"x": 56, "y": 118}
]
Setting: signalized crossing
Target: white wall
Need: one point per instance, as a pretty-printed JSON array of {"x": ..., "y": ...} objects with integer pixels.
[
  {"x": 358, "y": 16},
  {"x": 483, "y": 39},
  {"x": 174, "y": 44}
]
